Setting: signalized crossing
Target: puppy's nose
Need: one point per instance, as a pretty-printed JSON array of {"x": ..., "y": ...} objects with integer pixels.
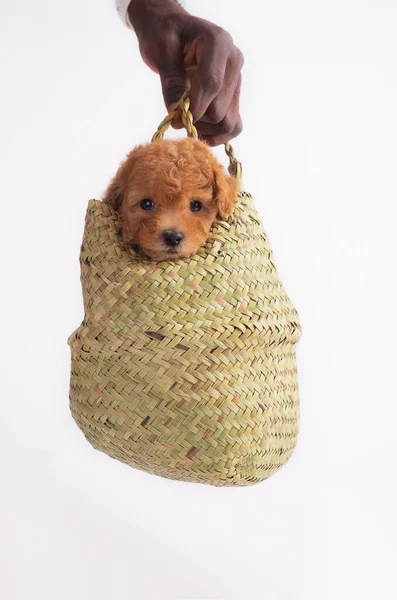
[{"x": 172, "y": 237}]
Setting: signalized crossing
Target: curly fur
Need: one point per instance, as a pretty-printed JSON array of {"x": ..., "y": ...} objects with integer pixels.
[{"x": 172, "y": 174}]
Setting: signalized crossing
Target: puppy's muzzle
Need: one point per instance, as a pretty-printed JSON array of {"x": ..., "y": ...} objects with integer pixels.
[{"x": 173, "y": 238}]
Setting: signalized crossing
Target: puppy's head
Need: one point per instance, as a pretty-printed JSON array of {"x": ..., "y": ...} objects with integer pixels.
[{"x": 168, "y": 194}]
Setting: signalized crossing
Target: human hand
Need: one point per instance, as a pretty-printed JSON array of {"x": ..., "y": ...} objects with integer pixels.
[{"x": 190, "y": 52}]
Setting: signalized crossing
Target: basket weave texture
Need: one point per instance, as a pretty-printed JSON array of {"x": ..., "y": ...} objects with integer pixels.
[{"x": 187, "y": 369}]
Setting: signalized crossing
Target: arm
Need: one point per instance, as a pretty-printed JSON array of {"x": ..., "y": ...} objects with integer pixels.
[{"x": 190, "y": 52}]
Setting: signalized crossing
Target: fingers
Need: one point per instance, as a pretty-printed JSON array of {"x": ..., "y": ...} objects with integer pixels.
[
  {"x": 188, "y": 52},
  {"x": 215, "y": 84},
  {"x": 223, "y": 138},
  {"x": 228, "y": 128},
  {"x": 219, "y": 107}
]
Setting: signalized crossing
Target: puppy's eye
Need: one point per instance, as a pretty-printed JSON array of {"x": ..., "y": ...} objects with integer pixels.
[
  {"x": 195, "y": 205},
  {"x": 147, "y": 204}
]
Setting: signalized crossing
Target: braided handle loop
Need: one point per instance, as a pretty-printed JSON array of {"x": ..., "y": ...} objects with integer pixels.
[
  {"x": 235, "y": 168},
  {"x": 187, "y": 118}
]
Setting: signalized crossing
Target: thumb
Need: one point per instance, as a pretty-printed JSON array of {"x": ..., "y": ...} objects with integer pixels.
[
  {"x": 174, "y": 80},
  {"x": 174, "y": 85}
]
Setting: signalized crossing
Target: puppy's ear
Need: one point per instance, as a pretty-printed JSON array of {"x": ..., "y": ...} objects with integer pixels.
[
  {"x": 119, "y": 184},
  {"x": 226, "y": 188},
  {"x": 114, "y": 194}
]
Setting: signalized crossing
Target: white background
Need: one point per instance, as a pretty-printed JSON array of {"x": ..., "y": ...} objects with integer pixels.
[{"x": 319, "y": 148}]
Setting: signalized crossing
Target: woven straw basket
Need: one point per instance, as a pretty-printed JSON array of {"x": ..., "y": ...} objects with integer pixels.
[{"x": 187, "y": 369}]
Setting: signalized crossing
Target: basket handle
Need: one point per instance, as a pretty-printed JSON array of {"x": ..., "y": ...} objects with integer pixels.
[{"x": 235, "y": 168}]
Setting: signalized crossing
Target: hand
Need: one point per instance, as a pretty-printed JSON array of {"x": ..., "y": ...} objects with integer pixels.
[{"x": 190, "y": 52}]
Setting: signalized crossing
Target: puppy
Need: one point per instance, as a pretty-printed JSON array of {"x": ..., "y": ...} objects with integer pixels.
[{"x": 168, "y": 194}]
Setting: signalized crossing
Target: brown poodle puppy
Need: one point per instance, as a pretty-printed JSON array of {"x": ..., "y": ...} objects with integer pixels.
[{"x": 168, "y": 194}]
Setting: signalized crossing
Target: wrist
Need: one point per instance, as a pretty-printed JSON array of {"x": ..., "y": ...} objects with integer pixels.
[{"x": 144, "y": 14}]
